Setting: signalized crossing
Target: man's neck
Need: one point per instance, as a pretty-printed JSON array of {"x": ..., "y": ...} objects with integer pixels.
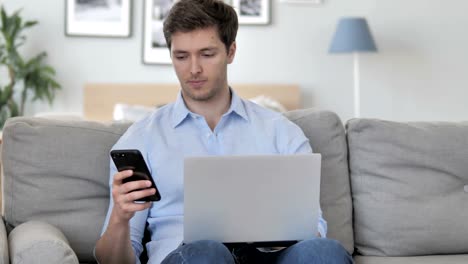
[{"x": 213, "y": 109}]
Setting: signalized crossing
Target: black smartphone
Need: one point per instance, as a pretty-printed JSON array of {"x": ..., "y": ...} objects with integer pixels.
[{"x": 131, "y": 159}]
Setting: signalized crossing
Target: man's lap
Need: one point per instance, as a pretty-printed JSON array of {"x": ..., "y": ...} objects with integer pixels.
[{"x": 316, "y": 250}]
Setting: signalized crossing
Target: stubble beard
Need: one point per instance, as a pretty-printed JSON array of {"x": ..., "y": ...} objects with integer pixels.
[
  {"x": 204, "y": 95},
  {"x": 201, "y": 97}
]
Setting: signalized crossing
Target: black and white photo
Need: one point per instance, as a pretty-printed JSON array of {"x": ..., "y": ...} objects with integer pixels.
[
  {"x": 100, "y": 18},
  {"x": 155, "y": 48},
  {"x": 252, "y": 11},
  {"x": 250, "y": 7}
]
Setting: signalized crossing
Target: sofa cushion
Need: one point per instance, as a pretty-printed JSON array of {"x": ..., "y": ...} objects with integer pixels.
[
  {"x": 4, "y": 256},
  {"x": 39, "y": 242},
  {"x": 58, "y": 172},
  {"x": 437, "y": 259},
  {"x": 408, "y": 183},
  {"x": 326, "y": 134}
]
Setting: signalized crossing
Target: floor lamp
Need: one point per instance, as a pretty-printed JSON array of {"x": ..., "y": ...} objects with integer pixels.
[{"x": 353, "y": 36}]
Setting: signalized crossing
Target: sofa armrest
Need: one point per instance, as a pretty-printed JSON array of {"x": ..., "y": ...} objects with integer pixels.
[
  {"x": 39, "y": 242},
  {"x": 4, "y": 259}
]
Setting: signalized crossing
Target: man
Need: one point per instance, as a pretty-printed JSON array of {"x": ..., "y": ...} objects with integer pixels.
[{"x": 208, "y": 118}]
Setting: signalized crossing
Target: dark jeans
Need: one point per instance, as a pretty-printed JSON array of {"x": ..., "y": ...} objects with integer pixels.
[{"x": 317, "y": 250}]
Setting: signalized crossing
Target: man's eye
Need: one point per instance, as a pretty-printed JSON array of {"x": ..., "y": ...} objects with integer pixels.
[
  {"x": 208, "y": 55},
  {"x": 181, "y": 57}
]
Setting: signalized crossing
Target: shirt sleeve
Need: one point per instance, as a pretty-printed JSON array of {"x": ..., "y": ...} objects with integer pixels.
[
  {"x": 138, "y": 222},
  {"x": 322, "y": 225},
  {"x": 290, "y": 138},
  {"x": 297, "y": 143}
]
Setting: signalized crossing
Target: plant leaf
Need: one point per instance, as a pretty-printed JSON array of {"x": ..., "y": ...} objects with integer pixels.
[
  {"x": 30, "y": 24},
  {"x": 30, "y": 77}
]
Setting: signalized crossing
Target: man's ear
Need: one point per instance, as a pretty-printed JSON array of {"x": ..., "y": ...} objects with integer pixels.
[{"x": 232, "y": 52}]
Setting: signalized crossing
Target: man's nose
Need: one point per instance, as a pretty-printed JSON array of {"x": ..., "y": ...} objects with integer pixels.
[{"x": 195, "y": 67}]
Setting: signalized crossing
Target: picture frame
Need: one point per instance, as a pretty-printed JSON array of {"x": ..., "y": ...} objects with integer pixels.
[
  {"x": 98, "y": 18},
  {"x": 252, "y": 12},
  {"x": 155, "y": 49}
]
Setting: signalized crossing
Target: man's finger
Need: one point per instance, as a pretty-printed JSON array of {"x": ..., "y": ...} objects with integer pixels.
[
  {"x": 134, "y": 207},
  {"x": 133, "y": 196},
  {"x": 134, "y": 185},
  {"x": 119, "y": 176}
]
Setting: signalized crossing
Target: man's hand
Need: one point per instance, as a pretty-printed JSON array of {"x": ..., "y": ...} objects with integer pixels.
[
  {"x": 114, "y": 246},
  {"x": 125, "y": 194}
]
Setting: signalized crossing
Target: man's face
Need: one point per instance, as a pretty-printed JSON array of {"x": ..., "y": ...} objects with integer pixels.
[{"x": 200, "y": 61}]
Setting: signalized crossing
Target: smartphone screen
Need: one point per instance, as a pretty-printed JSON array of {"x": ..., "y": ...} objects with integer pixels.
[{"x": 131, "y": 159}]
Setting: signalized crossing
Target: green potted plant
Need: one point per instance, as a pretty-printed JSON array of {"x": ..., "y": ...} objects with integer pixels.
[{"x": 27, "y": 80}]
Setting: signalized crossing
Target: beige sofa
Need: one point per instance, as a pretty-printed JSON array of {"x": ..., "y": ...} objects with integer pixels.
[{"x": 391, "y": 192}]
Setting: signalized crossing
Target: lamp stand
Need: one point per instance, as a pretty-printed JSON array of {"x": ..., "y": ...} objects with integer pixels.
[{"x": 357, "y": 102}]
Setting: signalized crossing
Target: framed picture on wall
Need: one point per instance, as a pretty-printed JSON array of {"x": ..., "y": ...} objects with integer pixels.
[
  {"x": 252, "y": 12},
  {"x": 155, "y": 49},
  {"x": 98, "y": 18}
]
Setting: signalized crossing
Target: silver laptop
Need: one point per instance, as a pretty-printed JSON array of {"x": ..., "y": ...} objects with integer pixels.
[{"x": 264, "y": 199}]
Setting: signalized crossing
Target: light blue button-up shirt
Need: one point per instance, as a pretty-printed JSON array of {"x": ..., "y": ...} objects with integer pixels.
[{"x": 172, "y": 133}]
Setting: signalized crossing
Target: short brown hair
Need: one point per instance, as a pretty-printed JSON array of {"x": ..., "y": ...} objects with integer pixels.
[{"x": 189, "y": 15}]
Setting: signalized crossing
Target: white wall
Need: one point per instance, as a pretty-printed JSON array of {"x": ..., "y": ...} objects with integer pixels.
[{"x": 418, "y": 74}]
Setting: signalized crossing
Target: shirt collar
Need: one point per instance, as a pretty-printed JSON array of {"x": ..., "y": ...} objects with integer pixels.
[
  {"x": 237, "y": 106},
  {"x": 181, "y": 111}
]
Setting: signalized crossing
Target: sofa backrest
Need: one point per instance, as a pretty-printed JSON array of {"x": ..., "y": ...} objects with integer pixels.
[
  {"x": 409, "y": 186},
  {"x": 58, "y": 172},
  {"x": 326, "y": 135}
]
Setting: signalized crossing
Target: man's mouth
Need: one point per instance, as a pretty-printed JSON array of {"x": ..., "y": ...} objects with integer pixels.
[{"x": 196, "y": 83}]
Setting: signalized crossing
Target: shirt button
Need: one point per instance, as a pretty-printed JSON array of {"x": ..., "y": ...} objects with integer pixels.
[{"x": 466, "y": 188}]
